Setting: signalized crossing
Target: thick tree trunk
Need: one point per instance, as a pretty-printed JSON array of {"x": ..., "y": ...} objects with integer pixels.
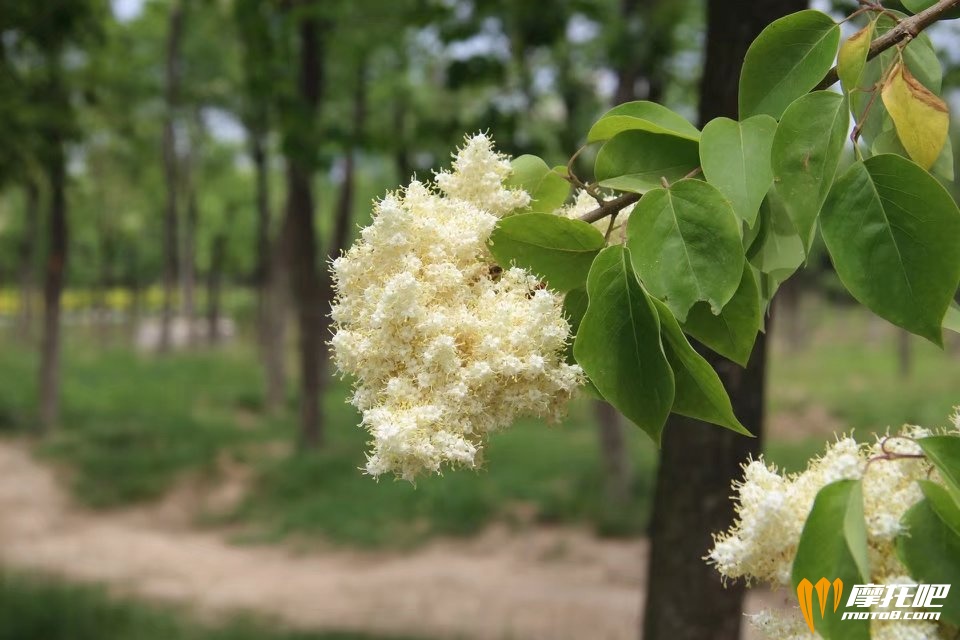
[
  {"x": 170, "y": 232},
  {"x": 305, "y": 274},
  {"x": 54, "y": 276},
  {"x": 28, "y": 259},
  {"x": 214, "y": 285},
  {"x": 685, "y": 598}
]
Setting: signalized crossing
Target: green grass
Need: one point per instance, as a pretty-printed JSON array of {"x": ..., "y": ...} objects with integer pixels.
[
  {"x": 851, "y": 368},
  {"x": 133, "y": 424},
  {"x": 34, "y": 608}
]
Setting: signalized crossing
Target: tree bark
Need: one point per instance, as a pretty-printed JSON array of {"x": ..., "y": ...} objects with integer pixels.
[
  {"x": 54, "y": 276},
  {"x": 28, "y": 259},
  {"x": 305, "y": 275},
  {"x": 685, "y": 597},
  {"x": 170, "y": 171}
]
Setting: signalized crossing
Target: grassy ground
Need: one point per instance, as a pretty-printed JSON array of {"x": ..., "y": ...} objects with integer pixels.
[
  {"x": 34, "y": 608},
  {"x": 133, "y": 424}
]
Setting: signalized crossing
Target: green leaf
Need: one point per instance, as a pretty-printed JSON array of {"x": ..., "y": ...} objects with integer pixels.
[
  {"x": 789, "y": 58},
  {"x": 547, "y": 188},
  {"x": 574, "y": 308},
  {"x": 893, "y": 233},
  {"x": 733, "y": 333},
  {"x": 805, "y": 155},
  {"x": 699, "y": 392},
  {"x": 685, "y": 243},
  {"x": 919, "y": 56},
  {"x": 916, "y": 6},
  {"x": 639, "y": 160},
  {"x": 944, "y": 453},
  {"x": 931, "y": 552},
  {"x": 943, "y": 504},
  {"x": 618, "y": 344},
  {"x": 644, "y": 116},
  {"x": 735, "y": 157},
  {"x": 952, "y": 318},
  {"x": 853, "y": 57},
  {"x": 777, "y": 251},
  {"x": 558, "y": 249},
  {"x": 888, "y": 142},
  {"x": 834, "y": 545}
]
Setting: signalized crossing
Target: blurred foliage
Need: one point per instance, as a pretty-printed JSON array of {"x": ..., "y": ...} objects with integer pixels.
[{"x": 37, "y": 608}]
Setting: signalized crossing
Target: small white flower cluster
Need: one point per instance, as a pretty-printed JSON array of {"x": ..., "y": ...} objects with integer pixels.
[
  {"x": 772, "y": 509},
  {"x": 443, "y": 348}
]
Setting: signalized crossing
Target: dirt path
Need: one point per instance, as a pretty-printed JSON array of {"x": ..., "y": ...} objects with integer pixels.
[{"x": 556, "y": 584}]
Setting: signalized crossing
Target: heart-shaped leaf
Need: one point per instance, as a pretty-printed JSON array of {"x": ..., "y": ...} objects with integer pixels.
[
  {"x": 685, "y": 243},
  {"x": 558, "y": 249},
  {"x": 640, "y": 160},
  {"x": 547, "y": 188},
  {"x": 735, "y": 157},
  {"x": 644, "y": 116},
  {"x": 806, "y": 152},
  {"x": 788, "y": 59},
  {"x": 733, "y": 332}
]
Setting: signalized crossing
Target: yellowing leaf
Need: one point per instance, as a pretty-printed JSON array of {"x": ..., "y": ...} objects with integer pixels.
[
  {"x": 920, "y": 116},
  {"x": 853, "y": 56}
]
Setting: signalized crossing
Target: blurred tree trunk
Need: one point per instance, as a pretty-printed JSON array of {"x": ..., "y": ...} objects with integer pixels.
[
  {"x": 55, "y": 272},
  {"x": 188, "y": 251},
  {"x": 188, "y": 263},
  {"x": 170, "y": 232},
  {"x": 28, "y": 259},
  {"x": 214, "y": 285},
  {"x": 633, "y": 64},
  {"x": 614, "y": 454},
  {"x": 789, "y": 313},
  {"x": 271, "y": 282},
  {"x": 904, "y": 353},
  {"x": 305, "y": 275},
  {"x": 685, "y": 597}
]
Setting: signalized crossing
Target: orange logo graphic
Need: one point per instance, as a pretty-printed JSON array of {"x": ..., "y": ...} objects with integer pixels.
[{"x": 805, "y": 595}]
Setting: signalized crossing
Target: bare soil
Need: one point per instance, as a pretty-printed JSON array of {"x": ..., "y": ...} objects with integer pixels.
[{"x": 534, "y": 584}]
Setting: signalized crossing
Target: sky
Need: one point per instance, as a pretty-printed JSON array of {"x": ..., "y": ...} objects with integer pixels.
[{"x": 126, "y": 10}]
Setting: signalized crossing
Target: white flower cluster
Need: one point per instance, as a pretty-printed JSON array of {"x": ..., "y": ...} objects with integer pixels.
[
  {"x": 443, "y": 348},
  {"x": 772, "y": 509}
]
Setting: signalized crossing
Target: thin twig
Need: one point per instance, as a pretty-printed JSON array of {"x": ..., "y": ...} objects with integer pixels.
[
  {"x": 906, "y": 28},
  {"x": 610, "y": 207}
]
